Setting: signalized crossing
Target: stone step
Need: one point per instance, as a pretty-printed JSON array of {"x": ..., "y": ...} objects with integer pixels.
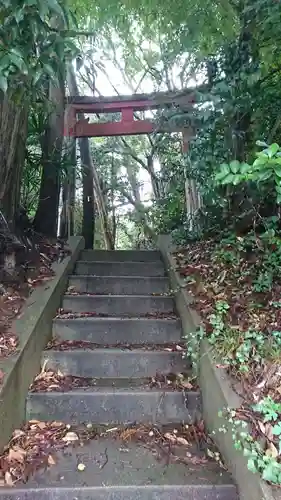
[
  {"x": 111, "y": 331},
  {"x": 120, "y": 285},
  {"x": 120, "y": 255},
  {"x": 120, "y": 268},
  {"x": 114, "y": 363},
  {"x": 118, "y": 470},
  {"x": 184, "y": 492},
  {"x": 115, "y": 305},
  {"x": 114, "y": 406}
]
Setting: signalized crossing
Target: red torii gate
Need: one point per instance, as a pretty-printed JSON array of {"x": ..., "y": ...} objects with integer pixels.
[{"x": 127, "y": 106}]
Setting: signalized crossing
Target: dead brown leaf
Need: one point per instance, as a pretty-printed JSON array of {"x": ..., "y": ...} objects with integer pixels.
[
  {"x": 16, "y": 454},
  {"x": 51, "y": 460},
  {"x": 272, "y": 451},
  {"x": 9, "y": 479}
]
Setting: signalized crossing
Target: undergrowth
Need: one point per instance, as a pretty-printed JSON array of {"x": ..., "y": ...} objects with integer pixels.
[{"x": 237, "y": 285}]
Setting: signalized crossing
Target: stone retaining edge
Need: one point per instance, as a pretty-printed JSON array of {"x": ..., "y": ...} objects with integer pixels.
[
  {"x": 216, "y": 388},
  {"x": 34, "y": 330}
]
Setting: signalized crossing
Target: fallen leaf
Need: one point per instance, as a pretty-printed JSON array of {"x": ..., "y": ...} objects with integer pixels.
[
  {"x": 51, "y": 460},
  {"x": 81, "y": 467},
  {"x": 18, "y": 433},
  {"x": 70, "y": 436},
  {"x": 210, "y": 453},
  {"x": 41, "y": 425},
  {"x": 261, "y": 426},
  {"x": 8, "y": 479},
  {"x": 170, "y": 437},
  {"x": 183, "y": 441},
  {"x": 186, "y": 385},
  {"x": 271, "y": 451},
  {"x": 17, "y": 455},
  {"x": 58, "y": 424},
  {"x": 179, "y": 348}
]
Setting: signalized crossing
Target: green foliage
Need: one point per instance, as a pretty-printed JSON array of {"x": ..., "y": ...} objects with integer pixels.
[
  {"x": 262, "y": 459},
  {"x": 265, "y": 169},
  {"x": 35, "y": 39}
]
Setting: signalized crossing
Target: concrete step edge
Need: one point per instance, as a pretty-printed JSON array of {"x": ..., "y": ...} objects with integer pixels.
[
  {"x": 107, "y": 406},
  {"x": 130, "y": 262},
  {"x": 117, "y": 319},
  {"x": 125, "y": 296},
  {"x": 129, "y": 492},
  {"x": 110, "y": 391},
  {"x": 116, "y": 365},
  {"x": 111, "y": 350},
  {"x": 111, "y": 277}
]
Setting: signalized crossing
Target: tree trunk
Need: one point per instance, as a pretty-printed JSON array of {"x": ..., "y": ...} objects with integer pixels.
[
  {"x": 112, "y": 193},
  {"x": 154, "y": 180},
  {"x": 13, "y": 134},
  {"x": 90, "y": 176},
  {"x": 88, "y": 222},
  {"x": 46, "y": 218},
  {"x": 68, "y": 193}
]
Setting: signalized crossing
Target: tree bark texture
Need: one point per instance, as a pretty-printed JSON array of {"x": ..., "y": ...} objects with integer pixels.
[
  {"x": 46, "y": 218},
  {"x": 13, "y": 134},
  {"x": 68, "y": 193}
]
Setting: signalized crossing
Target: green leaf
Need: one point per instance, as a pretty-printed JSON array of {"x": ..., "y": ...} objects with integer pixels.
[
  {"x": 237, "y": 179},
  {"x": 277, "y": 170},
  {"x": 228, "y": 179},
  {"x": 278, "y": 200},
  {"x": 19, "y": 15},
  {"x": 225, "y": 168},
  {"x": 272, "y": 149},
  {"x": 16, "y": 58},
  {"x": 270, "y": 473},
  {"x": 251, "y": 465},
  {"x": 43, "y": 11},
  {"x": 260, "y": 161},
  {"x": 223, "y": 172},
  {"x": 276, "y": 429},
  {"x": 3, "y": 83},
  {"x": 263, "y": 175},
  {"x": 54, "y": 6},
  {"x": 219, "y": 176},
  {"x": 244, "y": 168},
  {"x": 234, "y": 166},
  {"x": 262, "y": 144}
]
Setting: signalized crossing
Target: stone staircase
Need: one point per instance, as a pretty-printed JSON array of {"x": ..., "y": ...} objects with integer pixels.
[{"x": 132, "y": 322}]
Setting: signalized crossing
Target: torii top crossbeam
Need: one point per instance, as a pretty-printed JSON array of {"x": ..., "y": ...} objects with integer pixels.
[{"x": 126, "y": 105}]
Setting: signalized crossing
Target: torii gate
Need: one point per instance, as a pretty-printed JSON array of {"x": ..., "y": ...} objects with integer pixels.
[{"x": 126, "y": 105}]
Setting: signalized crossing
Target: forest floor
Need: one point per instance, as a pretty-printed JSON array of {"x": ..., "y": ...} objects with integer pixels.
[
  {"x": 17, "y": 289},
  {"x": 236, "y": 284}
]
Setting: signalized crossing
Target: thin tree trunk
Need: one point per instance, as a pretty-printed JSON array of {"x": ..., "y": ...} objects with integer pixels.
[
  {"x": 13, "y": 134},
  {"x": 46, "y": 218},
  {"x": 90, "y": 171},
  {"x": 68, "y": 194},
  {"x": 88, "y": 222},
  {"x": 112, "y": 187}
]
